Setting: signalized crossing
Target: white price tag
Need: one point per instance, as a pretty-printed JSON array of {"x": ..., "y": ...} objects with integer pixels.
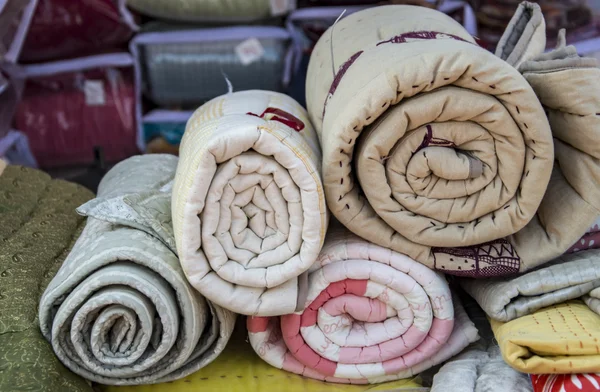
[
  {"x": 280, "y": 7},
  {"x": 94, "y": 92},
  {"x": 249, "y": 51}
]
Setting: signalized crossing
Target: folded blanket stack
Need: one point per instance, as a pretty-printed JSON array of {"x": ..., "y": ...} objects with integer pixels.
[
  {"x": 248, "y": 205},
  {"x": 429, "y": 141},
  {"x": 120, "y": 311},
  {"x": 371, "y": 315},
  {"x": 39, "y": 227},
  {"x": 540, "y": 322}
]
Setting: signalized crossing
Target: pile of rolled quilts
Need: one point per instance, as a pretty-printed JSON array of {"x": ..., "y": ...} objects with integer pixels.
[{"x": 430, "y": 221}]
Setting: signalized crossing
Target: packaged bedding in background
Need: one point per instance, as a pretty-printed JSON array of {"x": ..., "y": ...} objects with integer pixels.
[
  {"x": 10, "y": 91},
  {"x": 179, "y": 69},
  {"x": 163, "y": 130},
  {"x": 14, "y": 149},
  {"x": 309, "y": 24},
  {"x": 189, "y": 67},
  {"x": 71, "y": 108},
  {"x": 574, "y": 15},
  {"x": 67, "y": 28},
  {"x": 213, "y": 10},
  {"x": 15, "y": 17}
]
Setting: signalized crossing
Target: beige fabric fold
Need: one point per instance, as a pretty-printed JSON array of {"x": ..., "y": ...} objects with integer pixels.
[
  {"x": 429, "y": 141},
  {"x": 249, "y": 211}
]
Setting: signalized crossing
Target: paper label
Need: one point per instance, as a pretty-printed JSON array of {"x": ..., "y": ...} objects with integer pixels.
[
  {"x": 94, "y": 92},
  {"x": 249, "y": 51},
  {"x": 280, "y": 7}
]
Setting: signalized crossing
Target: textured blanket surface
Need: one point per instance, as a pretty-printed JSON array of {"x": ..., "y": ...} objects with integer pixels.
[
  {"x": 560, "y": 339},
  {"x": 371, "y": 315},
  {"x": 249, "y": 209},
  {"x": 120, "y": 311},
  {"x": 39, "y": 227},
  {"x": 568, "y": 277},
  {"x": 480, "y": 367},
  {"x": 429, "y": 141}
]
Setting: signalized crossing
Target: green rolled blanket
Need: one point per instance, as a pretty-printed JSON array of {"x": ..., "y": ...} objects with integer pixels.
[{"x": 38, "y": 226}]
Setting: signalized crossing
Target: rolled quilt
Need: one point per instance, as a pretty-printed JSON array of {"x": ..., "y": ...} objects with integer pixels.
[
  {"x": 371, "y": 315},
  {"x": 560, "y": 339},
  {"x": 429, "y": 141},
  {"x": 120, "y": 311},
  {"x": 249, "y": 209}
]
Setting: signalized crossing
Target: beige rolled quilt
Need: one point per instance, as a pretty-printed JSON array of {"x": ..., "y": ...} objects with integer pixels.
[
  {"x": 429, "y": 141},
  {"x": 249, "y": 210}
]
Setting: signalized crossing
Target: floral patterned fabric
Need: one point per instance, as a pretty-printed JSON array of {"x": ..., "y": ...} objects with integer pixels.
[
  {"x": 39, "y": 227},
  {"x": 566, "y": 382}
]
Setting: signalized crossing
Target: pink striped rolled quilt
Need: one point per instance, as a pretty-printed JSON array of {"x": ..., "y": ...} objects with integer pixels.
[{"x": 371, "y": 315}]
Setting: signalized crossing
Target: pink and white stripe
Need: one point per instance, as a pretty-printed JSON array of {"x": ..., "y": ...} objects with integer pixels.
[{"x": 371, "y": 315}]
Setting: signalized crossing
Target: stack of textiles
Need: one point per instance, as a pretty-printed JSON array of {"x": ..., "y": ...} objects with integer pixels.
[
  {"x": 547, "y": 321},
  {"x": 39, "y": 227},
  {"x": 433, "y": 154},
  {"x": 78, "y": 91},
  {"x": 201, "y": 50},
  {"x": 574, "y": 15}
]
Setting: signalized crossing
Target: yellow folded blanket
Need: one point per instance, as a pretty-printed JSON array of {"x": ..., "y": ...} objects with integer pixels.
[{"x": 559, "y": 339}]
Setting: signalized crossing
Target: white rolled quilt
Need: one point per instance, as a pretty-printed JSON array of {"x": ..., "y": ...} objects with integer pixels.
[
  {"x": 249, "y": 211},
  {"x": 120, "y": 310},
  {"x": 372, "y": 315},
  {"x": 432, "y": 146}
]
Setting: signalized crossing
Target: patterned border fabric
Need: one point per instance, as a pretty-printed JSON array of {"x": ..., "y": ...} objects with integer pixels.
[
  {"x": 566, "y": 382},
  {"x": 249, "y": 209},
  {"x": 429, "y": 141},
  {"x": 371, "y": 315},
  {"x": 120, "y": 311}
]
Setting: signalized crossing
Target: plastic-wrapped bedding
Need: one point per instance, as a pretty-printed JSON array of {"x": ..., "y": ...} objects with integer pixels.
[
  {"x": 15, "y": 18},
  {"x": 432, "y": 146},
  {"x": 187, "y": 68},
  {"x": 67, "y": 28},
  {"x": 70, "y": 108},
  {"x": 213, "y": 10},
  {"x": 120, "y": 310},
  {"x": 371, "y": 315},
  {"x": 249, "y": 209}
]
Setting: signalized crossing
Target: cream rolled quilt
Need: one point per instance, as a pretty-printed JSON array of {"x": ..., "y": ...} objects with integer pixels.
[
  {"x": 249, "y": 210},
  {"x": 120, "y": 310},
  {"x": 429, "y": 141},
  {"x": 371, "y": 315}
]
